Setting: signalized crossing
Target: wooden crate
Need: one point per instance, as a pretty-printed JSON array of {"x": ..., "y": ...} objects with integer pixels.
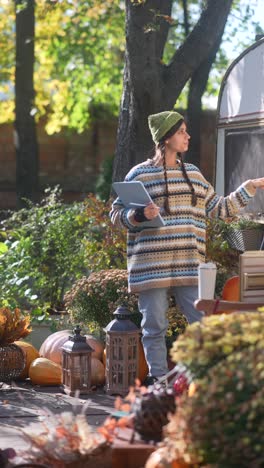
[{"x": 130, "y": 454}]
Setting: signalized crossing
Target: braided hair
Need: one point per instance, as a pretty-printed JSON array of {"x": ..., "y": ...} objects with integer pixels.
[
  {"x": 194, "y": 196},
  {"x": 159, "y": 157}
]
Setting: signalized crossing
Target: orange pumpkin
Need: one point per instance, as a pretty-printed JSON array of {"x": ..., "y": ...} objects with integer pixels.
[
  {"x": 97, "y": 372},
  {"x": 142, "y": 364},
  {"x": 42, "y": 371},
  {"x": 51, "y": 347},
  {"x": 231, "y": 292},
  {"x": 30, "y": 352},
  {"x": 97, "y": 345},
  {"x": 104, "y": 358}
]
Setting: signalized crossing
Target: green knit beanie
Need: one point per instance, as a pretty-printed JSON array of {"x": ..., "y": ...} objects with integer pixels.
[{"x": 161, "y": 123}]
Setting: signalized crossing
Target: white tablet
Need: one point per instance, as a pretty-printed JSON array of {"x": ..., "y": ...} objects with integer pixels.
[{"x": 133, "y": 195}]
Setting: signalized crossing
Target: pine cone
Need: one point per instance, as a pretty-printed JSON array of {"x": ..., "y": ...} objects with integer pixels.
[{"x": 151, "y": 410}]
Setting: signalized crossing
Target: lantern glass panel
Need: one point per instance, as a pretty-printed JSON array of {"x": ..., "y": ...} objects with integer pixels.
[
  {"x": 117, "y": 349},
  {"x": 120, "y": 376},
  {"x": 84, "y": 364},
  {"x": 76, "y": 363},
  {"x": 117, "y": 373},
  {"x": 132, "y": 371},
  {"x": 132, "y": 348}
]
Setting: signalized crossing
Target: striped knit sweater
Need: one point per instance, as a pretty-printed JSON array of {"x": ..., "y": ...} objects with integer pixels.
[{"x": 170, "y": 255}]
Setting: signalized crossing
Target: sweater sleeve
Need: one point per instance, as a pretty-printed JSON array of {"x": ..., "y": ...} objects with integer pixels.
[
  {"x": 223, "y": 207},
  {"x": 123, "y": 217},
  {"x": 120, "y": 215}
]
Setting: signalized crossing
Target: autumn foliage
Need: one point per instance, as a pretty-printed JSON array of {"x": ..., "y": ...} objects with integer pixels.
[{"x": 13, "y": 325}]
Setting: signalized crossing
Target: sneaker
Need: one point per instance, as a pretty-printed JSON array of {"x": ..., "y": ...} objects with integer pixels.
[
  {"x": 149, "y": 380},
  {"x": 156, "y": 382}
]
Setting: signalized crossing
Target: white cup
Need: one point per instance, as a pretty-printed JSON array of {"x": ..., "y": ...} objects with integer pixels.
[{"x": 206, "y": 280}]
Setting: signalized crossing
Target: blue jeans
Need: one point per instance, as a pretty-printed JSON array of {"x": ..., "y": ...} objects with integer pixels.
[{"x": 153, "y": 305}]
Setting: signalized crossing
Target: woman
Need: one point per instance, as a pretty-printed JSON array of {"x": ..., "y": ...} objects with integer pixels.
[{"x": 164, "y": 261}]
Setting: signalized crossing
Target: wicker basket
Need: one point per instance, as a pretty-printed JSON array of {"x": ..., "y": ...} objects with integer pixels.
[
  {"x": 12, "y": 362},
  {"x": 245, "y": 239}
]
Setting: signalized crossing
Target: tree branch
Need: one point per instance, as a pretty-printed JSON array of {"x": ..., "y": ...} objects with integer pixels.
[
  {"x": 196, "y": 90},
  {"x": 186, "y": 17},
  {"x": 198, "y": 44}
]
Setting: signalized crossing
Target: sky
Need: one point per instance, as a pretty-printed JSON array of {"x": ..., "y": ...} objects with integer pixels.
[
  {"x": 235, "y": 47},
  {"x": 230, "y": 48}
]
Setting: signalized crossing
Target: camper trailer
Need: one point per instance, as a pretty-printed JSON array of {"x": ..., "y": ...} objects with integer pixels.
[{"x": 240, "y": 124}]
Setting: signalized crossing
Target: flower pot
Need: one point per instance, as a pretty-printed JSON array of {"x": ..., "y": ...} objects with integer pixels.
[
  {"x": 12, "y": 362},
  {"x": 245, "y": 239}
]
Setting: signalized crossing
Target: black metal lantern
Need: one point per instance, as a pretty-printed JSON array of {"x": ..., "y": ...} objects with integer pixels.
[
  {"x": 122, "y": 348},
  {"x": 76, "y": 364}
]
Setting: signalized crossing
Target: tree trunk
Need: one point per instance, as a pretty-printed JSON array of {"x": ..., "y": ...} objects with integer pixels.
[
  {"x": 149, "y": 85},
  {"x": 143, "y": 87},
  {"x": 25, "y": 131},
  {"x": 194, "y": 109}
]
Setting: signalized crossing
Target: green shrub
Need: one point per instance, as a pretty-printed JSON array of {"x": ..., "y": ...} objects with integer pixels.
[
  {"x": 95, "y": 298},
  {"x": 104, "y": 181},
  {"x": 105, "y": 246},
  {"x": 206, "y": 343},
  {"x": 46, "y": 247},
  {"x": 222, "y": 423},
  {"x": 44, "y": 254},
  {"x": 219, "y": 252},
  {"x": 177, "y": 323}
]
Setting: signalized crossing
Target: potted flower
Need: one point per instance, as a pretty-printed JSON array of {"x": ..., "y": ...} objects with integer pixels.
[
  {"x": 221, "y": 424},
  {"x": 13, "y": 326},
  {"x": 219, "y": 421},
  {"x": 243, "y": 232},
  {"x": 93, "y": 299}
]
